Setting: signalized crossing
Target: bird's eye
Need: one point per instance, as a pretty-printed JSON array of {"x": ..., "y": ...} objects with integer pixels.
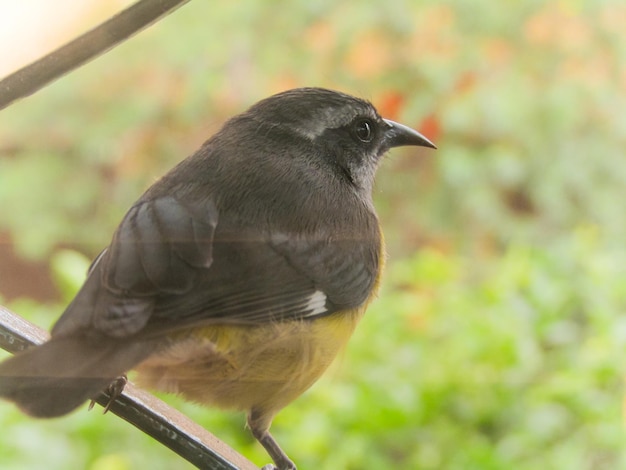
[{"x": 363, "y": 130}]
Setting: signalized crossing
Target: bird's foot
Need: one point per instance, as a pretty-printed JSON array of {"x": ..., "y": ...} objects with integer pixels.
[
  {"x": 288, "y": 465},
  {"x": 271, "y": 466},
  {"x": 114, "y": 390}
]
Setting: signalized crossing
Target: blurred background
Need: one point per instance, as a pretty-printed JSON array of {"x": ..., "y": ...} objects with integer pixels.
[{"x": 498, "y": 339}]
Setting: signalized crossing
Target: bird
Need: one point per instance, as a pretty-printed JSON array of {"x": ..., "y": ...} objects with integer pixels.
[{"x": 238, "y": 276}]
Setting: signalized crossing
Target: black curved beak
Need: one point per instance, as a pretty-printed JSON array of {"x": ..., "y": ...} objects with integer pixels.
[{"x": 398, "y": 135}]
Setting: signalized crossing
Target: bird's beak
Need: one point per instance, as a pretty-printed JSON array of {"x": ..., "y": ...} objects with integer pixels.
[{"x": 398, "y": 135}]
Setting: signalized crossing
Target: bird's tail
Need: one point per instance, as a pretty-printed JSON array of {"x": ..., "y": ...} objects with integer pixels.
[{"x": 58, "y": 376}]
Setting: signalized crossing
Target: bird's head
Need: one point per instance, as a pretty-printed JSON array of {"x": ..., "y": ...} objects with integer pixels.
[{"x": 345, "y": 132}]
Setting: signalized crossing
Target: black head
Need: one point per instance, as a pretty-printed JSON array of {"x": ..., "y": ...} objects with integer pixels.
[{"x": 346, "y": 131}]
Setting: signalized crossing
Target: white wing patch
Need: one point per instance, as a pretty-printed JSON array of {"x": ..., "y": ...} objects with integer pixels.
[{"x": 316, "y": 304}]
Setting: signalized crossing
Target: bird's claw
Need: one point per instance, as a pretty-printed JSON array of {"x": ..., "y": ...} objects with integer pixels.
[
  {"x": 114, "y": 390},
  {"x": 271, "y": 466}
]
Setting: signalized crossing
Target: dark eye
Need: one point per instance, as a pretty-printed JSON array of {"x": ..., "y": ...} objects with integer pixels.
[{"x": 363, "y": 130}]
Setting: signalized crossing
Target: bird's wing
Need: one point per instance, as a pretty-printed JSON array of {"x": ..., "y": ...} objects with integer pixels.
[
  {"x": 158, "y": 249},
  {"x": 170, "y": 265}
]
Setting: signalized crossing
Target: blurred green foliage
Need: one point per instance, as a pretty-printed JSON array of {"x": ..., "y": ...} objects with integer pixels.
[{"x": 499, "y": 335}]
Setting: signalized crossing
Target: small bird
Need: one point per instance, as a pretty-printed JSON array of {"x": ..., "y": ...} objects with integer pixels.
[{"x": 238, "y": 276}]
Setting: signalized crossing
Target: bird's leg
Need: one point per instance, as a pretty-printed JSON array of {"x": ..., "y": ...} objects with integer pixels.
[
  {"x": 259, "y": 426},
  {"x": 114, "y": 390},
  {"x": 276, "y": 453}
]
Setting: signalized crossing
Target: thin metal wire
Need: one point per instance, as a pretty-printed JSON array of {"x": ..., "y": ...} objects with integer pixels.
[{"x": 84, "y": 48}]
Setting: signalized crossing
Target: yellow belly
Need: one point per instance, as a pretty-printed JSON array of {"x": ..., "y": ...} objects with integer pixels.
[{"x": 244, "y": 367}]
